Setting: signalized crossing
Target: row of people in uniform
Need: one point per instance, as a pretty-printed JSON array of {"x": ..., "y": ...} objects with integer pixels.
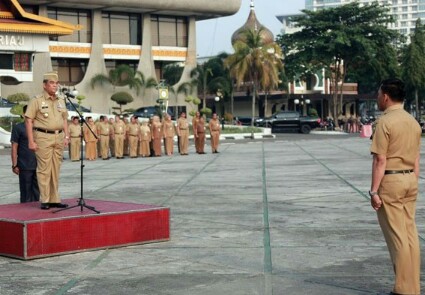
[{"x": 118, "y": 138}]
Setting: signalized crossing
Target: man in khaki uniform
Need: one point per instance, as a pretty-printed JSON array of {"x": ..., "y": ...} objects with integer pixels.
[
  {"x": 199, "y": 134},
  {"x": 75, "y": 138},
  {"x": 104, "y": 132},
  {"x": 214, "y": 126},
  {"x": 195, "y": 120},
  {"x": 46, "y": 122},
  {"x": 111, "y": 137},
  {"x": 169, "y": 132},
  {"x": 90, "y": 137},
  {"x": 183, "y": 134},
  {"x": 394, "y": 189},
  {"x": 118, "y": 135},
  {"x": 133, "y": 135},
  {"x": 145, "y": 139},
  {"x": 156, "y": 133},
  {"x": 126, "y": 145}
]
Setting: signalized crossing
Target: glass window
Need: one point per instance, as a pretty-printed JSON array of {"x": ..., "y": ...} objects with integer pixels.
[
  {"x": 6, "y": 61},
  {"x": 169, "y": 31},
  {"x": 70, "y": 71},
  {"x": 122, "y": 28},
  {"x": 75, "y": 17}
]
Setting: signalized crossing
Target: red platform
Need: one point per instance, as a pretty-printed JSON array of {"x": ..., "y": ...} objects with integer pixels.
[{"x": 27, "y": 232}]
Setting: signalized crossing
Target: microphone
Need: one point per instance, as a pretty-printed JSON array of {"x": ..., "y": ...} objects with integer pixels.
[{"x": 65, "y": 91}]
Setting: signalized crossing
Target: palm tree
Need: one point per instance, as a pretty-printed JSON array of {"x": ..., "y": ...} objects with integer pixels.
[
  {"x": 199, "y": 77},
  {"x": 124, "y": 75},
  {"x": 256, "y": 62}
]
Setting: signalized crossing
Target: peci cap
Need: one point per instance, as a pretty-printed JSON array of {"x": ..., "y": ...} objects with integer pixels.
[{"x": 50, "y": 76}]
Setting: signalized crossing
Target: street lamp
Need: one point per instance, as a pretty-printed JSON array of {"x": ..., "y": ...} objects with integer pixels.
[
  {"x": 217, "y": 98},
  {"x": 302, "y": 102}
]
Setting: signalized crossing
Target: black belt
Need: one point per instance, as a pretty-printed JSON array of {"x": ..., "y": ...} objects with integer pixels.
[
  {"x": 47, "y": 131},
  {"x": 398, "y": 171},
  {"x": 75, "y": 136},
  {"x": 132, "y": 135}
]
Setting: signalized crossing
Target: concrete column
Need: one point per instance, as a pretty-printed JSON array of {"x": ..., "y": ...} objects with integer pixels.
[
  {"x": 99, "y": 97},
  {"x": 190, "y": 64},
  {"x": 146, "y": 64}
]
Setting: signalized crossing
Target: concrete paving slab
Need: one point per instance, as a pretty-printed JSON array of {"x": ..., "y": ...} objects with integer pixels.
[{"x": 281, "y": 216}]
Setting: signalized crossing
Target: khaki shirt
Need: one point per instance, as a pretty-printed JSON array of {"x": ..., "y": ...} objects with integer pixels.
[
  {"x": 74, "y": 130},
  {"x": 214, "y": 125},
  {"x": 182, "y": 124},
  {"x": 156, "y": 130},
  {"x": 88, "y": 135},
  {"x": 145, "y": 133},
  {"x": 168, "y": 127},
  {"x": 398, "y": 136},
  {"x": 48, "y": 113},
  {"x": 119, "y": 127},
  {"x": 104, "y": 129},
  {"x": 133, "y": 129}
]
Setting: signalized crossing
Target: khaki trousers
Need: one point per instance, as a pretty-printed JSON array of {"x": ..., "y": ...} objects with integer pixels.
[
  {"x": 104, "y": 146},
  {"x": 49, "y": 159},
  {"x": 156, "y": 144},
  {"x": 184, "y": 141},
  {"x": 397, "y": 220},
  {"x": 133, "y": 140},
  {"x": 215, "y": 136},
  {"x": 201, "y": 142},
  {"x": 75, "y": 148},
  {"x": 91, "y": 150},
  {"x": 119, "y": 145},
  {"x": 169, "y": 145},
  {"x": 145, "y": 148}
]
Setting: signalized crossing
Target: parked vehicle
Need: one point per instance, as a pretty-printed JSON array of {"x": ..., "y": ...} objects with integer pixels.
[
  {"x": 147, "y": 112},
  {"x": 289, "y": 121},
  {"x": 4, "y": 103}
]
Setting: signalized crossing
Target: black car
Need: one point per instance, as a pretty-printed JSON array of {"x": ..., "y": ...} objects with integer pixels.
[
  {"x": 289, "y": 121},
  {"x": 147, "y": 112}
]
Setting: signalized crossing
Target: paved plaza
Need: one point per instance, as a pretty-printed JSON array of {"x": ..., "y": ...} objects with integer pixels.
[{"x": 277, "y": 216}]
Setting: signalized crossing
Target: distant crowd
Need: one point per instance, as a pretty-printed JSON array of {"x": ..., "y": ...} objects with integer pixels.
[{"x": 127, "y": 137}]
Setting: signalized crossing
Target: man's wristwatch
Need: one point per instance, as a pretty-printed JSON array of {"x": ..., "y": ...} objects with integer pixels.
[
  {"x": 14, "y": 166},
  {"x": 371, "y": 194}
]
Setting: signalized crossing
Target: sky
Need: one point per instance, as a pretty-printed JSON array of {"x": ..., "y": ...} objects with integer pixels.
[{"x": 213, "y": 36}]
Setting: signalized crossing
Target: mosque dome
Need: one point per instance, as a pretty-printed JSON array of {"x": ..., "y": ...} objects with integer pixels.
[{"x": 252, "y": 23}]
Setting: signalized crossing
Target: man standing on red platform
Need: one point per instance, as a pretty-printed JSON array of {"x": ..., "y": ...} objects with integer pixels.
[{"x": 47, "y": 128}]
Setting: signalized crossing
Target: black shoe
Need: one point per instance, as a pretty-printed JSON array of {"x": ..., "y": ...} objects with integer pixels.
[
  {"x": 58, "y": 205},
  {"x": 45, "y": 206}
]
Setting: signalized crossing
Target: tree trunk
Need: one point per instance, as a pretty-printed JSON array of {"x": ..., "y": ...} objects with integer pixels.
[
  {"x": 418, "y": 115},
  {"x": 254, "y": 91}
]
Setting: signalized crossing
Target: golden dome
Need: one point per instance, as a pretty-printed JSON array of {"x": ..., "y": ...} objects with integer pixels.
[{"x": 252, "y": 23}]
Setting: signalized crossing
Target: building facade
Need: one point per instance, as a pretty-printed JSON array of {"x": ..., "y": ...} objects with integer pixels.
[{"x": 144, "y": 34}]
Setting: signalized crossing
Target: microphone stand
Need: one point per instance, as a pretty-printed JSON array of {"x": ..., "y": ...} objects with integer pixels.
[{"x": 81, "y": 203}]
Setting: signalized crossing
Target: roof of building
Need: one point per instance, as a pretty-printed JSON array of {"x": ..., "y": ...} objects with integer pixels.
[
  {"x": 14, "y": 19},
  {"x": 200, "y": 9}
]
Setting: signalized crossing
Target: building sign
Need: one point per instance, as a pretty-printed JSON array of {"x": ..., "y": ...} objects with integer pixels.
[
  {"x": 24, "y": 42},
  {"x": 12, "y": 40}
]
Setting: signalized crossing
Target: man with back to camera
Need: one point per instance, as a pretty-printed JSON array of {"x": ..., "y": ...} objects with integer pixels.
[
  {"x": 24, "y": 163},
  {"x": 46, "y": 122},
  {"x": 394, "y": 189}
]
